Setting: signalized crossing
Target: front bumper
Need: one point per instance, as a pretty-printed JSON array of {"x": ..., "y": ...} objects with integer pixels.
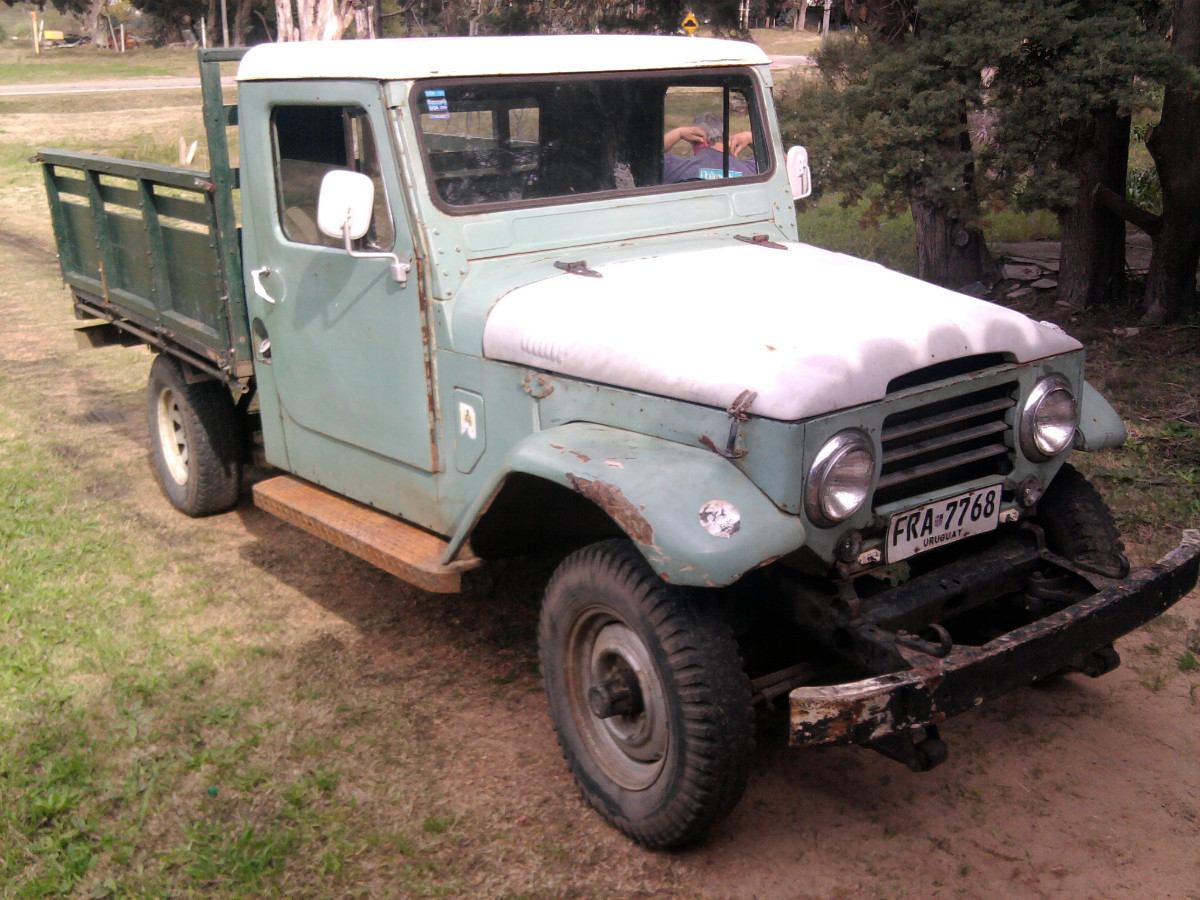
[{"x": 874, "y": 709}]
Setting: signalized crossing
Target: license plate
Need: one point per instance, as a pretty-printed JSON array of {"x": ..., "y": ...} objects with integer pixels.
[{"x": 944, "y": 522}]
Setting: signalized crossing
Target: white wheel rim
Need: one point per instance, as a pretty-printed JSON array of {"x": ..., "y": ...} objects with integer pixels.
[{"x": 172, "y": 438}]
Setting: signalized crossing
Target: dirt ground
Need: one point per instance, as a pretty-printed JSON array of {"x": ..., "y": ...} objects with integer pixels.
[{"x": 1080, "y": 788}]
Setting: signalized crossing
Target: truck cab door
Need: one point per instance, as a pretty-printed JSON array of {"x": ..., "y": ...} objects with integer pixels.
[{"x": 341, "y": 361}]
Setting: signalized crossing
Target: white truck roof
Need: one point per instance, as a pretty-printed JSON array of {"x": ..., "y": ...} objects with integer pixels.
[{"x": 406, "y": 58}]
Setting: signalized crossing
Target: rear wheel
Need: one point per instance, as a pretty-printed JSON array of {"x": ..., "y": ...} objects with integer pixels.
[
  {"x": 195, "y": 440},
  {"x": 647, "y": 693}
]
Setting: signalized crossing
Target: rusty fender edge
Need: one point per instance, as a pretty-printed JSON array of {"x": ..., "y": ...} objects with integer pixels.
[
  {"x": 862, "y": 711},
  {"x": 661, "y": 494}
]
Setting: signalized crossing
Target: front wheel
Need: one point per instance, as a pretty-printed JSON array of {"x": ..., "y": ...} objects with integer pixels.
[
  {"x": 647, "y": 694},
  {"x": 1079, "y": 526},
  {"x": 195, "y": 440}
]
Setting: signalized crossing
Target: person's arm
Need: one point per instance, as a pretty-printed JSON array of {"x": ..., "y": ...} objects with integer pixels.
[
  {"x": 740, "y": 141},
  {"x": 693, "y": 134}
]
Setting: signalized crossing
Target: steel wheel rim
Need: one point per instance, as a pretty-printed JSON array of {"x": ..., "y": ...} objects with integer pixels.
[
  {"x": 631, "y": 750},
  {"x": 172, "y": 438}
]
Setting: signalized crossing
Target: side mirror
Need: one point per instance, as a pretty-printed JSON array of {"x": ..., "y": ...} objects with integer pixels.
[
  {"x": 344, "y": 209},
  {"x": 346, "y": 201},
  {"x": 798, "y": 172}
]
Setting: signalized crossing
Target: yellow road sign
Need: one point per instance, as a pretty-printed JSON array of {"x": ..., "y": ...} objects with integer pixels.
[{"x": 689, "y": 23}]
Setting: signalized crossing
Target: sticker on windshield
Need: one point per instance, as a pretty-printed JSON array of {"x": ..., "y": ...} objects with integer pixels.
[
  {"x": 436, "y": 104},
  {"x": 713, "y": 174}
]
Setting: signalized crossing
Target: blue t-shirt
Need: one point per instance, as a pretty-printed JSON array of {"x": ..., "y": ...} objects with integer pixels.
[{"x": 704, "y": 165}]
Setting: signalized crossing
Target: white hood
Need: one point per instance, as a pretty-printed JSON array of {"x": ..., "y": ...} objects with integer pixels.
[{"x": 808, "y": 330}]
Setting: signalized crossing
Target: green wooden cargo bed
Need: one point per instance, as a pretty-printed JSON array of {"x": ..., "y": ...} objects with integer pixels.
[{"x": 152, "y": 253}]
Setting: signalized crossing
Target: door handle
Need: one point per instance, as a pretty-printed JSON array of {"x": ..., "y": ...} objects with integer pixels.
[{"x": 256, "y": 276}]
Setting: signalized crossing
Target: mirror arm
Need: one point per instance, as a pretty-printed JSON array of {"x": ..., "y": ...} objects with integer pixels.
[{"x": 400, "y": 268}]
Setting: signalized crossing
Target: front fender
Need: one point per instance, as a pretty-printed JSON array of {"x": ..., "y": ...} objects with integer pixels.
[
  {"x": 1099, "y": 424},
  {"x": 696, "y": 518}
]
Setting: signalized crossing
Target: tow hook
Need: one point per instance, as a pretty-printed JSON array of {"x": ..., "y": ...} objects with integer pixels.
[
  {"x": 919, "y": 755},
  {"x": 1097, "y": 663}
]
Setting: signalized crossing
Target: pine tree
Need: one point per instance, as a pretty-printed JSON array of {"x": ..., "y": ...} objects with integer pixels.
[{"x": 1047, "y": 87}]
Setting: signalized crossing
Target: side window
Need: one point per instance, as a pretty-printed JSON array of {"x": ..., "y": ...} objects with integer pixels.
[
  {"x": 695, "y": 138},
  {"x": 310, "y": 141}
]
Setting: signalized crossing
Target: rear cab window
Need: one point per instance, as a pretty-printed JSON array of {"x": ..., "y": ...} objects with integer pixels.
[{"x": 497, "y": 142}]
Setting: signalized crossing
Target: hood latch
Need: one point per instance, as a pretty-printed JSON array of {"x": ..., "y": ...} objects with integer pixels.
[{"x": 579, "y": 267}]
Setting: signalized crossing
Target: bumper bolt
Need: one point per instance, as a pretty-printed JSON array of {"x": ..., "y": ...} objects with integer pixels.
[
  {"x": 1030, "y": 492},
  {"x": 849, "y": 547}
]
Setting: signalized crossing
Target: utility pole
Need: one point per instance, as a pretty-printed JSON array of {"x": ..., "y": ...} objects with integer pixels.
[{"x": 225, "y": 22}]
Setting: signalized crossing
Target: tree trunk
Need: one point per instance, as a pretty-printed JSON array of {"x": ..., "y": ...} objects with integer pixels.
[
  {"x": 94, "y": 24},
  {"x": 241, "y": 22},
  {"x": 949, "y": 252},
  {"x": 312, "y": 20},
  {"x": 285, "y": 26},
  {"x": 891, "y": 20},
  {"x": 1093, "y": 238},
  {"x": 212, "y": 22},
  {"x": 1171, "y": 284},
  {"x": 364, "y": 22}
]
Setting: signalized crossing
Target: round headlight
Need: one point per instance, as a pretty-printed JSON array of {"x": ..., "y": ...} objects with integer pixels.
[
  {"x": 840, "y": 479},
  {"x": 1049, "y": 418}
]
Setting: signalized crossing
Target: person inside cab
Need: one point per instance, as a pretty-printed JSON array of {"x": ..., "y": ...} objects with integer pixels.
[{"x": 707, "y": 161}]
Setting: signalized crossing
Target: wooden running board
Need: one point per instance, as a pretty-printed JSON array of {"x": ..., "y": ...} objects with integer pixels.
[{"x": 403, "y": 550}]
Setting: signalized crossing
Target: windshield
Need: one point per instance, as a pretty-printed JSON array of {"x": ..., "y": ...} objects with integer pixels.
[{"x": 526, "y": 140}]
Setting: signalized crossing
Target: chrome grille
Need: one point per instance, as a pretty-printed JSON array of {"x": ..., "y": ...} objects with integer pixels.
[{"x": 945, "y": 443}]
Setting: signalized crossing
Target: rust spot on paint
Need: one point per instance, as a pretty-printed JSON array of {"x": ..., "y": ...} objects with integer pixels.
[
  {"x": 610, "y": 499},
  {"x": 769, "y": 347},
  {"x": 582, "y": 457},
  {"x": 707, "y": 443}
]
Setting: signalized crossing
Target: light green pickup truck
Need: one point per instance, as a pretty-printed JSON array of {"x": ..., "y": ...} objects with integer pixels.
[{"x": 490, "y": 296}]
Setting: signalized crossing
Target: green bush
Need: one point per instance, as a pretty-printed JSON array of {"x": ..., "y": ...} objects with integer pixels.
[
  {"x": 1144, "y": 189},
  {"x": 1012, "y": 225},
  {"x": 848, "y": 229}
]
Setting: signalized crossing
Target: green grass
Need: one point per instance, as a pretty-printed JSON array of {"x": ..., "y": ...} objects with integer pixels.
[
  {"x": 61, "y": 624},
  {"x": 19, "y": 66},
  {"x": 68, "y": 104},
  {"x": 1156, "y": 455},
  {"x": 112, "y": 707},
  {"x": 786, "y": 41},
  {"x": 1010, "y": 225}
]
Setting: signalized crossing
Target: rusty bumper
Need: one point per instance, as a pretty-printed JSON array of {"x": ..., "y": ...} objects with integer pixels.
[{"x": 865, "y": 711}]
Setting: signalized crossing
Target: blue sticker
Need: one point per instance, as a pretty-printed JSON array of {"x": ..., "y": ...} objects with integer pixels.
[
  {"x": 436, "y": 103},
  {"x": 715, "y": 174}
]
